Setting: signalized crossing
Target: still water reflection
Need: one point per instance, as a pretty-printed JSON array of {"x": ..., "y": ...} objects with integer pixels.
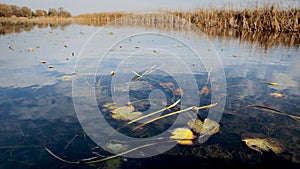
[{"x": 36, "y": 107}]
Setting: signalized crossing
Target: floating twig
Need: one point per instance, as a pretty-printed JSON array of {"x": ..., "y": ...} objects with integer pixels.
[
  {"x": 276, "y": 111},
  {"x": 96, "y": 159},
  {"x": 161, "y": 110},
  {"x": 194, "y": 108},
  {"x": 208, "y": 76},
  {"x": 69, "y": 143}
]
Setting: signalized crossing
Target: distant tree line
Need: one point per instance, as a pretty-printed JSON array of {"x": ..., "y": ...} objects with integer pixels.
[{"x": 14, "y": 10}]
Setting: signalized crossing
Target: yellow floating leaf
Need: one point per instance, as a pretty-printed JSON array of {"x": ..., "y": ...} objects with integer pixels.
[
  {"x": 185, "y": 142},
  {"x": 182, "y": 134},
  {"x": 271, "y": 83},
  {"x": 277, "y": 95}
]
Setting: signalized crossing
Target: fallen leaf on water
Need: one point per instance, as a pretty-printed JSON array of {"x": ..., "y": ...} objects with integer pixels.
[
  {"x": 125, "y": 113},
  {"x": 210, "y": 127},
  {"x": 51, "y": 66},
  {"x": 196, "y": 125},
  {"x": 185, "y": 142},
  {"x": 178, "y": 91},
  {"x": 271, "y": 83},
  {"x": 204, "y": 90},
  {"x": 263, "y": 144},
  {"x": 207, "y": 127},
  {"x": 182, "y": 134},
  {"x": 167, "y": 85},
  {"x": 277, "y": 95},
  {"x": 66, "y": 77}
]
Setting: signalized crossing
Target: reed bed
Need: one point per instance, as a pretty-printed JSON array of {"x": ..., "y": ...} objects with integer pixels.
[
  {"x": 266, "y": 19},
  {"x": 258, "y": 20},
  {"x": 268, "y": 25}
]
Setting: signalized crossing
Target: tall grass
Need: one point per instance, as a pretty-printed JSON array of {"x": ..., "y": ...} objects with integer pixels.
[{"x": 268, "y": 18}]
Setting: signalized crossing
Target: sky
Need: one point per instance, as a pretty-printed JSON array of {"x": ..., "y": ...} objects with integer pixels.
[{"x": 90, "y": 6}]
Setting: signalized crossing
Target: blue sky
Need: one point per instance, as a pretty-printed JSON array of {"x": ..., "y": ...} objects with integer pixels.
[{"x": 89, "y": 6}]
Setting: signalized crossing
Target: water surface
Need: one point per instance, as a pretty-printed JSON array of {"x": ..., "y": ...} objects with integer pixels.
[{"x": 36, "y": 103}]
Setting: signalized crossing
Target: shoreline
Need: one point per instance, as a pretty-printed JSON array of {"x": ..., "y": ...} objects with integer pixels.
[{"x": 267, "y": 27}]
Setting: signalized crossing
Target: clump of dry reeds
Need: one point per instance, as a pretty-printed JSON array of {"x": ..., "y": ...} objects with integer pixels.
[{"x": 269, "y": 18}]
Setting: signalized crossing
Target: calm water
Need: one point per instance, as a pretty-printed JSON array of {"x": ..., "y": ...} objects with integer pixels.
[{"x": 37, "y": 110}]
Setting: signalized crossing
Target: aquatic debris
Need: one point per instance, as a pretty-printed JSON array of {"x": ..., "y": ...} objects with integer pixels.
[
  {"x": 263, "y": 144},
  {"x": 167, "y": 85},
  {"x": 43, "y": 62},
  {"x": 150, "y": 70},
  {"x": 161, "y": 110},
  {"x": 210, "y": 127},
  {"x": 208, "y": 76},
  {"x": 11, "y": 48},
  {"x": 97, "y": 159},
  {"x": 237, "y": 56},
  {"x": 110, "y": 106},
  {"x": 30, "y": 49},
  {"x": 204, "y": 90},
  {"x": 69, "y": 143},
  {"x": 270, "y": 83},
  {"x": 66, "y": 77},
  {"x": 276, "y": 111},
  {"x": 193, "y": 108},
  {"x": 183, "y": 136},
  {"x": 117, "y": 146},
  {"x": 155, "y": 51},
  {"x": 110, "y": 33},
  {"x": 51, "y": 66},
  {"x": 112, "y": 73},
  {"x": 125, "y": 113},
  {"x": 178, "y": 91},
  {"x": 207, "y": 127},
  {"x": 277, "y": 95},
  {"x": 196, "y": 125}
]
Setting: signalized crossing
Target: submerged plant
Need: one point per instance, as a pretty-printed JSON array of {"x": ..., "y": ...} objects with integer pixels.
[{"x": 261, "y": 143}]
